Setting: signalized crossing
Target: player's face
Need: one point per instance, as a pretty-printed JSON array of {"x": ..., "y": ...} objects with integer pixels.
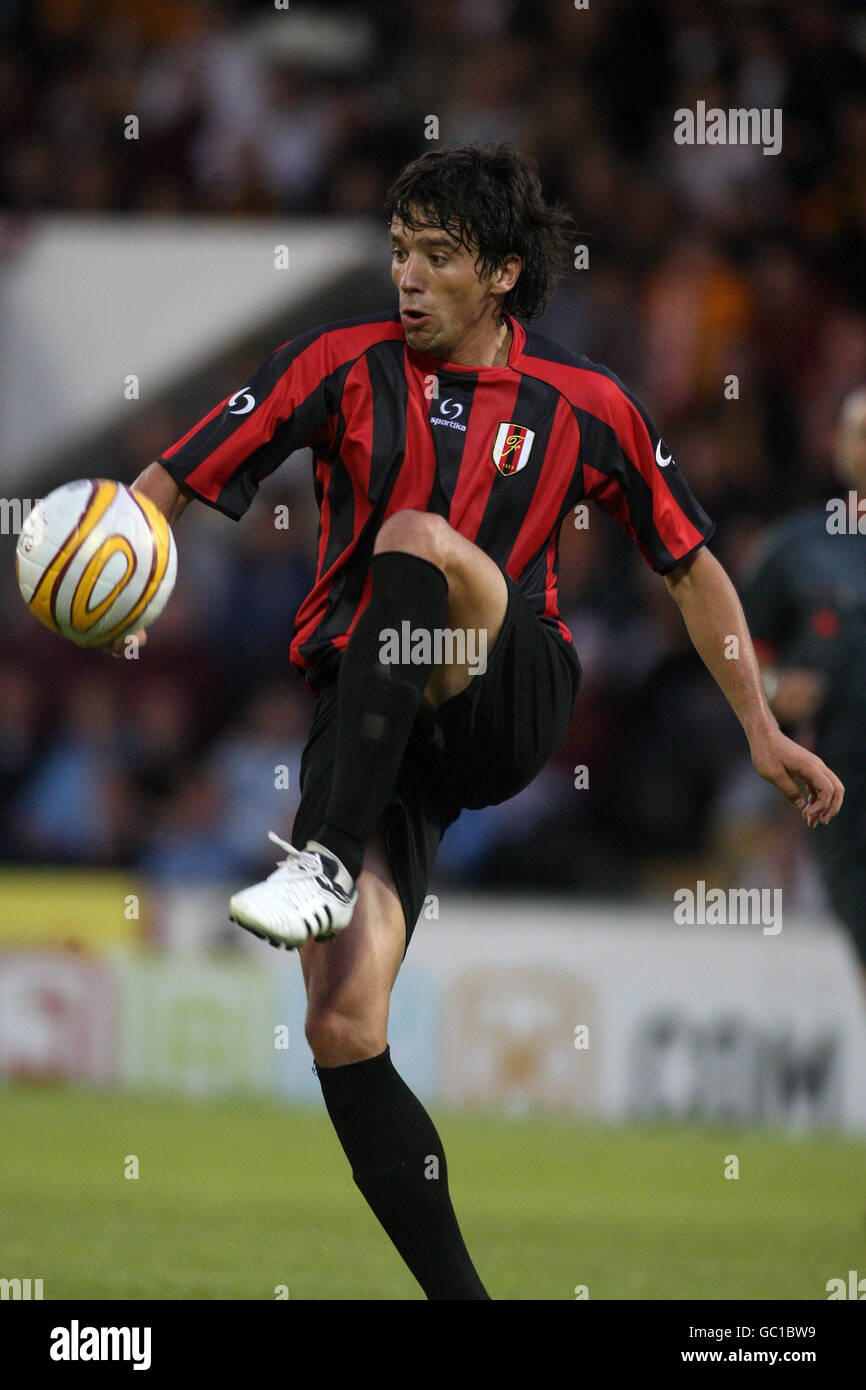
[{"x": 446, "y": 308}]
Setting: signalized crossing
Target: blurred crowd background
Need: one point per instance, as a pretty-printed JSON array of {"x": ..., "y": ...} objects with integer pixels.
[{"x": 704, "y": 264}]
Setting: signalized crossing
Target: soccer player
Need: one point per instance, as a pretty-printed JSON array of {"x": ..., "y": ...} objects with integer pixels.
[
  {"x": 805, "y": 599},
  {"x": 450, "y": 441}
]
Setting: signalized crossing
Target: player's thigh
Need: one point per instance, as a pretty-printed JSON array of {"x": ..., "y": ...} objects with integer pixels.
[
  {"x": 349, "y": 979},
  {"x": 477, "y": 604}
]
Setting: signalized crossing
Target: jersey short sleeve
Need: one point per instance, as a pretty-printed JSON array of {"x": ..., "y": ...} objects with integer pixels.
[
  {"x": 283, "y": 406},
  {"x": 630, "y": 473}
]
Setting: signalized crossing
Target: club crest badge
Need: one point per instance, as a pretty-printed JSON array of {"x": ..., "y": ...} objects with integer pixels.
[{"x": 511, "y": 448}]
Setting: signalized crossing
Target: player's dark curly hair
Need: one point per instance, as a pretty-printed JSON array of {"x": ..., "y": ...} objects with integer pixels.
[{"x": 490, "y": 198}]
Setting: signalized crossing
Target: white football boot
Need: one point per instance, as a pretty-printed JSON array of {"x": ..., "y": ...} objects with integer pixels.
[{"x": 310, "y": 895}]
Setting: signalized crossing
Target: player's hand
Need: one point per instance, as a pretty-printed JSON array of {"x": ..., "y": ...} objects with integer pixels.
[
  {"x": 118, "y": 646},
  {"x": 799, "y": 694},
  {"x": 801, "y": 776}
]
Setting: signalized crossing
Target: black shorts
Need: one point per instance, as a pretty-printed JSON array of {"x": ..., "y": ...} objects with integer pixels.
[{"x": 477, "y": 749}]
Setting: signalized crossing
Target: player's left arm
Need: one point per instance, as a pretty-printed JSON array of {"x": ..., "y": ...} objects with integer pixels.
[{"x": 713, "y": 615}]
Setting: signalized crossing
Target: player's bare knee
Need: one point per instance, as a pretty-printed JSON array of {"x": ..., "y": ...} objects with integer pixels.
[
  {"x": 417, "y": 533},
  {"x": 336, "y": 1039}
]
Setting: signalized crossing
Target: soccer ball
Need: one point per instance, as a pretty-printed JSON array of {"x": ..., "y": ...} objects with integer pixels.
[{"x": 95, "y": 561}]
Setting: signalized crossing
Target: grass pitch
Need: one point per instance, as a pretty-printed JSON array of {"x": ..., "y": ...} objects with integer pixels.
[{"x": 235, "y": 1198}]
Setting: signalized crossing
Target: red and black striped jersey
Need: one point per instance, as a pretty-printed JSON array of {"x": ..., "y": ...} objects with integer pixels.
[{"x": 503, "y": 453}]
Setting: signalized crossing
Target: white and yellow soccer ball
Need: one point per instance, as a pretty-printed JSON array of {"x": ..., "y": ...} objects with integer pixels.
[{"x": 95, "y": 561}]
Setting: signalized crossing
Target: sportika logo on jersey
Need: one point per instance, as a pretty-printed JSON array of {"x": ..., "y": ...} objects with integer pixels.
[{"x": 511, "y": 448}]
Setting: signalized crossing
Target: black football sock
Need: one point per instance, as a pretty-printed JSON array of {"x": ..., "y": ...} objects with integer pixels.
[
  {"x": 398, "y": 1163},
  {"x": 378, "y": 700}
]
